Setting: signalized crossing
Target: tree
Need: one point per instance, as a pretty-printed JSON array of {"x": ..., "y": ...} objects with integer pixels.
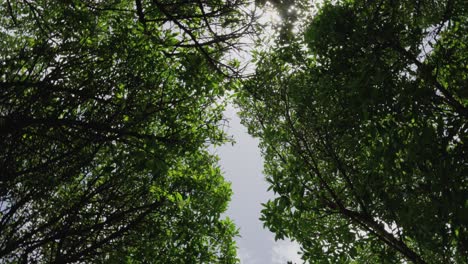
[
  {"x": 362, "y": 118},
  {"x": 106, "y": 112}
]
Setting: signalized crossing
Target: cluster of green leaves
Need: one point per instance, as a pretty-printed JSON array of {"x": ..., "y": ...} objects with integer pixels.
[
  {"x": 106, "y": 111},
  {"x": 363, "y": 125}
]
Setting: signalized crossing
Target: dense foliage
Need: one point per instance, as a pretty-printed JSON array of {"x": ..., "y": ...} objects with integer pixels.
[
  {"x": 106, "y": 111},
  {"x": 362, "y": 118}
]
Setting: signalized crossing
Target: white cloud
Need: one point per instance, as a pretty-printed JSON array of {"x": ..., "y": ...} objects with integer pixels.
[
  {"x": 244, "y": 256},
  {"x": 284, "y": 251}
]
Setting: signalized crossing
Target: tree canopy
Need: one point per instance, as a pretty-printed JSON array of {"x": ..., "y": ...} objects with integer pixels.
[
  {"x": 108, "y": 109},
  {"x": 361, "y": 108},
  {"x": 106, "y": 112}
]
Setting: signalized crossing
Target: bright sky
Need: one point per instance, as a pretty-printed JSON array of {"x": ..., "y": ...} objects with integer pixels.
[{"x": 242, "y": 165}]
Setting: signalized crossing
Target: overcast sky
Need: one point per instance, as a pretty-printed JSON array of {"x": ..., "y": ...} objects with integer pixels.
[{"x": 242, "y": 165}]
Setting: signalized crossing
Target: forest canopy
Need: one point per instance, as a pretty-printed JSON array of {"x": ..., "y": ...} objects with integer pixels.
[
  {"x": 361, "y": 108},
  {"x": 108, "y": 110}
]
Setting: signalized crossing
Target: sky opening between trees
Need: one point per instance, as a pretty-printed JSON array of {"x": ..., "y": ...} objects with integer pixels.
[{"x": 108, "y": 110}]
